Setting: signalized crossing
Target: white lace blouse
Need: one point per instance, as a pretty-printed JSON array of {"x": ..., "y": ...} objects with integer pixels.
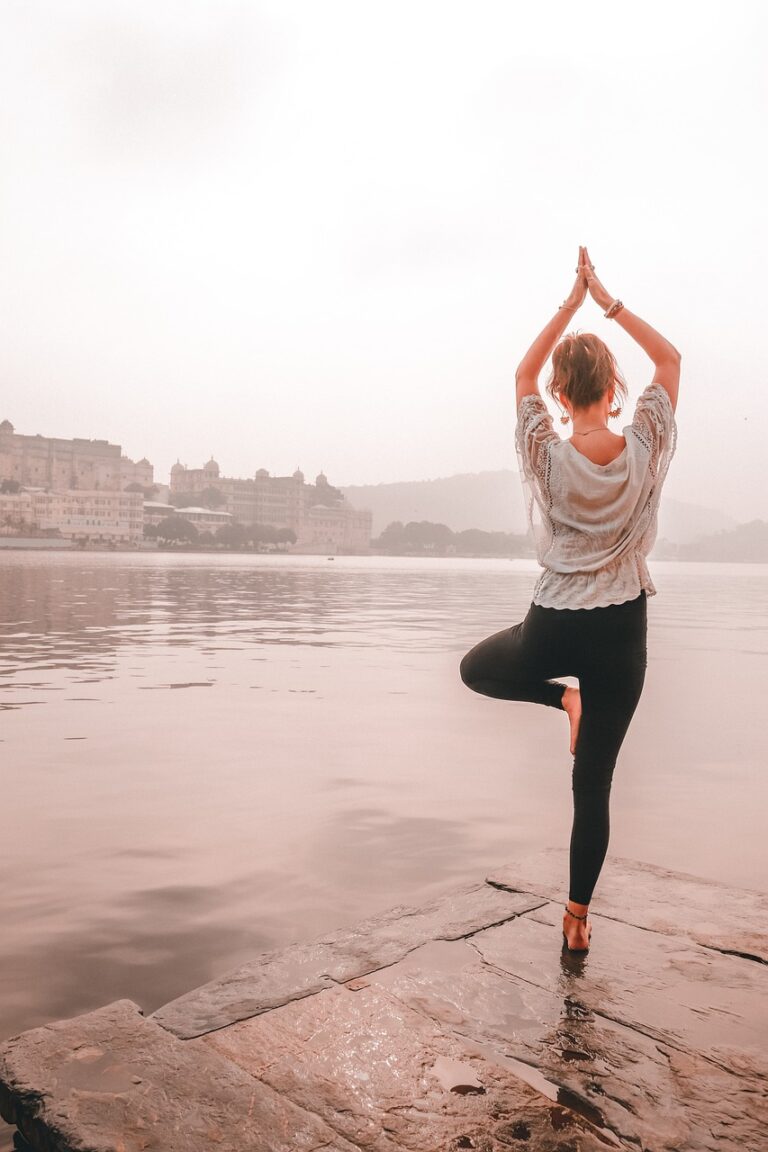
[{"x": 594, "y": 524}]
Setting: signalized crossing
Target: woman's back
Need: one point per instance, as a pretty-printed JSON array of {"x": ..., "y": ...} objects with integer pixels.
[
  {"x": 603, "y": 449},
  {"x": 594, "y": 520}
]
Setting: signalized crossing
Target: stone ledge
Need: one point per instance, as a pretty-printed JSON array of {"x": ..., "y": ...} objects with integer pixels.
[
  {"x": 461, "y": 1024},
  {"x": 706, "y": 912},
  {"x": 276, "y": 977},
  {"x": 112, "y": 1081}
]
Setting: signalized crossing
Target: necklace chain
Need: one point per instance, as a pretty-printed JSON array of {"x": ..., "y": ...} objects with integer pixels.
[{"x": 603, "y": 428}]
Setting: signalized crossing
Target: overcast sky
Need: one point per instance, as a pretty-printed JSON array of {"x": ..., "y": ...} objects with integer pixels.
[{"x": 324, "y": 233}]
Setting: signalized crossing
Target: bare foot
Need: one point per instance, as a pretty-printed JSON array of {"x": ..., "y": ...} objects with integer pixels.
[
  {"x": 572, "y": 705},
  {"x": 577, "y": 931}
]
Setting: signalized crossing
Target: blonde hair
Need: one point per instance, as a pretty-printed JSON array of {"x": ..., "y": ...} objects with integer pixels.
[{"x": 583, "y": 370}]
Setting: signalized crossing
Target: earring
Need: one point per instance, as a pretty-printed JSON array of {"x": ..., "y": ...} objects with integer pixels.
[
  {"x": 615, "y": 411},
  {"x": 564, "y": 418}
]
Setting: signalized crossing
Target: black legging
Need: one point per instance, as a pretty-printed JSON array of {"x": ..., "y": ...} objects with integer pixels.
[{"x": 606, "y": 649}]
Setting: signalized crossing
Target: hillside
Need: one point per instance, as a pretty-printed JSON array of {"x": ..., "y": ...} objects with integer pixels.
[
  {"x": 744, "y": 543},
  {"x": 493, "y": 502}
]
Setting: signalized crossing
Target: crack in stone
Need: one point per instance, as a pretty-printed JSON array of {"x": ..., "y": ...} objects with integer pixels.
[
  {"x": 383, "y": 967},
  {"x": 341, "y": 982},
  {"x": 508, "y": 888},
  {"x": 415, "y": 948},
  {"x": 736, "y": 952},
  {"x": 377, "y": 967},
  {"x": 499, "y": 971},
  {"x": 495, "y": 924}
]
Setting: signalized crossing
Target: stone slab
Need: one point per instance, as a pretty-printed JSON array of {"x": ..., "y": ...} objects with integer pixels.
[
  {"x": 706, "y": 912},
  {"x": 461, "y": 1024},
  {"x": 389, "y": 1079},
  {"x": 648, "y": 1094},
  {"x": 276, "y": 977},
  {"x": 112, "y": 1081},
  {"x": 685, "y": 994}
]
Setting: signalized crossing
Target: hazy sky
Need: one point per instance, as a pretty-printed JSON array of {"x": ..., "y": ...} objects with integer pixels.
[{"x": 324, "y": 233}]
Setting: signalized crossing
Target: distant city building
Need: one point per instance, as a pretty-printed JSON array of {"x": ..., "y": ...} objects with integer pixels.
[
  {"x": 319, "y": 515},
  {"x": 56, "y": 464},
  {"x": 75, "y": 487},
  {"x": 343, "y": 527},
  {"x": 99, "y": 517},
  {"x": 136, "y": 472}
]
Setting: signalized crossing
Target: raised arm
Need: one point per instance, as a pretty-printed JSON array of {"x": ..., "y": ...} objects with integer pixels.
[
  {"x": 527, "y": 374},
  {"x": 663, "y": 354}
]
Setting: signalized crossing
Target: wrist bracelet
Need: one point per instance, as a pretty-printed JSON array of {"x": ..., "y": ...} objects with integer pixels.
[{"x": 614, "y": 308}]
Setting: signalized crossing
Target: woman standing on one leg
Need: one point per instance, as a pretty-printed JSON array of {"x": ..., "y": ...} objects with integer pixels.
[{"x": 592, "y": 503}]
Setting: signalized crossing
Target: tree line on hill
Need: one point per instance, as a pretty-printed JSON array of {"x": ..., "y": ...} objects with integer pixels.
[
  {"x": 744, "y": 543},
  {"x": 424, "y": 538}
]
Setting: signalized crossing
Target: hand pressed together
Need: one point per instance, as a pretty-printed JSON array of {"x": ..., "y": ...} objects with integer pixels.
[{"x": 587, "y": 281}]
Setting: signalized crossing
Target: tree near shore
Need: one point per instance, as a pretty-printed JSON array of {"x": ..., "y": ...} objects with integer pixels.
[{"x": 176, "y": 530}]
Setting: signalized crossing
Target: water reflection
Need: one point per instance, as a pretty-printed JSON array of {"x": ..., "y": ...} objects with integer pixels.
[
  {"x": 205, "y": 758},
  {"x": 76, "y": 619}
]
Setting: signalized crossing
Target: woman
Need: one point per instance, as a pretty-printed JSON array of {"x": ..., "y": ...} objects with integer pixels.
[{"x": 592, "y": 502}]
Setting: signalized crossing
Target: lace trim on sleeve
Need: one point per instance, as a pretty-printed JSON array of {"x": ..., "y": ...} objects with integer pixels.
[
  {"x": 654, "y": 423},
  {"x": 534, "y": 435}
]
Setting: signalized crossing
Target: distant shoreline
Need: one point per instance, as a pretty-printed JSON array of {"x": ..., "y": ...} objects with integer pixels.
[{"x": 43, "y": 544}]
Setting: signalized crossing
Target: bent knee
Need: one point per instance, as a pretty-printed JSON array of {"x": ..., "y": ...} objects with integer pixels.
[{"x": 467, "y": 671}]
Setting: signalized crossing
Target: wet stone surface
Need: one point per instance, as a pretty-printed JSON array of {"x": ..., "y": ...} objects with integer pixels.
[
  {"x": 387, "y": 1077},
  {"x": 111, "y": 1081},
  {"x": 732, "y": 920},
  {"x": 677, "y": 992},
  {"x": 611, "y": 1072},
  {"x": 277, "y": 977},
  {"x": 463, "y": 1024}
]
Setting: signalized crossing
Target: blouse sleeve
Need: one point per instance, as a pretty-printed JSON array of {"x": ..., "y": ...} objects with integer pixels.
[
  {"x": 534, "y": 431},
  {"x": 534, "y": 434},
  {"x": 654, "y": 423}
]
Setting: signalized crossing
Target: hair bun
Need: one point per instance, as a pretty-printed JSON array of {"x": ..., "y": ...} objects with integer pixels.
[{"x": 584, "y": 369}]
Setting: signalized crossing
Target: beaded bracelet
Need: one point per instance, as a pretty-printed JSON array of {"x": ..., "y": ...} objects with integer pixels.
[{"x": 614, "y": 308}]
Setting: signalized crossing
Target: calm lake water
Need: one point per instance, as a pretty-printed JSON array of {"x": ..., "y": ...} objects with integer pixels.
[{"x": 204, "y": 758}]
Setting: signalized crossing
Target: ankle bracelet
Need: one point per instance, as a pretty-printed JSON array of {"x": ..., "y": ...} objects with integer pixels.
[{"x": 574, "y": 914}]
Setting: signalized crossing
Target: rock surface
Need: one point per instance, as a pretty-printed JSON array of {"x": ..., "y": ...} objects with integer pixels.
[
  {"x": 733, "y": 920},
  {"x": 463, "y": 1024},
  {"x": 387, "y": 1077},
  {"x": 623, "y": 1062},
  {"x": 303, "y": 969},
  {"x": 111, "y": 1081}
]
